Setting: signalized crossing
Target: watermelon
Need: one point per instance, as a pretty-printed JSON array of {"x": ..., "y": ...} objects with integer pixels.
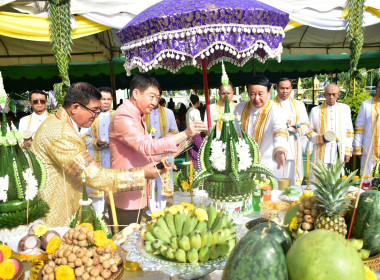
[
  {"x": 290, "y": 214},
  {"x": 278, "y": 233},
  {"x": 323, "y": 255},
  {"x": 257, "y": 256},
  {"x": 367, "y": 221}
]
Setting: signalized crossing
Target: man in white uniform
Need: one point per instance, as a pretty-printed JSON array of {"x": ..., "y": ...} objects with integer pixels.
[
  {"x": 163, "y": 121},
  {"x": 217, "y": 109},
  {"x": 96, "y": 140},
  {"x": 335, "y": 117},
  {"x": 298, "y": 125},
  {"x": 193, "y": 113},
  {"x": 38, "y": 102},
  {"x": 263, "y": 120},
  {"x": 365, "y": 125}
]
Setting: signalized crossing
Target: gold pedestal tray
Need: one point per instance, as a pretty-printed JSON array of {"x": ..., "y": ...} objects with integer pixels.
[{"x": 274, "y": 213}]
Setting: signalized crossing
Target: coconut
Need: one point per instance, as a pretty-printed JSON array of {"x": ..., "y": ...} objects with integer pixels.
[
  {"x": 29, "y": 241},
  {"x": 47, "y": 236}
]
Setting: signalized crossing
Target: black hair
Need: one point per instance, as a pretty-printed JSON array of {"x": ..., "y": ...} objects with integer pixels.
[
  {"x": 229, "y": 83},
  {"x": 282, "y": 80},
  {"x": 259, "y": 80},
  {"x": 162, "y": 101},
  {"x": 194, "y": 99},
  {"x": 106, "y": 89},
  {"x": 38, "y": 92},
  {"x": 82, "y": 93},
  {"x": 142, "y": 81}
]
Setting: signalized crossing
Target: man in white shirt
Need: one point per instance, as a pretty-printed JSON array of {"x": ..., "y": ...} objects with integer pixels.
[
  {"x": 38, "y": 102},
  {"x": 193, "y": 113},
  {"x": 364, "y": 126},
  {"x": 97, "y": 143},
  {"x": 298, "y": 125},
  {"x": 217, "y": 109},
  {"x": 263, "y": 120},
  {"x": 163, "y": 121},
  {"x": 331, "y": 117}
]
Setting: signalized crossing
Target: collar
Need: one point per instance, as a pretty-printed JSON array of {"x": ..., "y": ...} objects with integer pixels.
[
  {"x": 284, "y": 100},
  {"x": 75, "y": 126},
  {"x": 331, "y": 107},
  {"x": 43, "y": 115},
  {"x": 133, "y": 109}
]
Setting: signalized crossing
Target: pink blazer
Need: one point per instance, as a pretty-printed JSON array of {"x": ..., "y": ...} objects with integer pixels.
[{"x": 130, "y": 147}]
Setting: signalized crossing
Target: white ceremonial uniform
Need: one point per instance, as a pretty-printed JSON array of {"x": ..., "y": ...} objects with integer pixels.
[
  {"x": 216, "y": 110},
  {"x": 98, "y": 130},
  {"x": 295, "y": 111},
  {"x": 192, "y": 114},
  {"x": 163, "y": 120},
  {"x": 265, "y": 125},
  {"x": 365, "y": 124},
  {"x": 32, "y": 121},
  {"x": 338, "y": 119}
]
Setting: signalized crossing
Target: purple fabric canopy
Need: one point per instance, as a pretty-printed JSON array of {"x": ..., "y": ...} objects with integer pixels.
[{"x": 174, "y": 33}]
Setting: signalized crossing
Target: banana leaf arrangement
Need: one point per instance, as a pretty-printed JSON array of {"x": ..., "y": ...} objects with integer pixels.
[
  {"x": 376, "y": 170},
  {"x": 228, "y": 165},
  {"x": 22, "y": 175}
]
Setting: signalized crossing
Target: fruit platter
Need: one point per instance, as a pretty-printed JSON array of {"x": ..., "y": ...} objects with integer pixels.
[
  {"x": 183, "y": 240},
  {"x": 274, "y": 209}
]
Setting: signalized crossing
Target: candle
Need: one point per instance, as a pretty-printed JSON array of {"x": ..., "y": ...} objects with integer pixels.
[
  {"x": 191, "y": 173},
  {"x": 308, "y": 165}
]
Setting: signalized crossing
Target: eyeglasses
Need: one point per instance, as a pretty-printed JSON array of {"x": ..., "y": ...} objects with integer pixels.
[
  {"x": 96, "y": 113},
  {"x": 41, "y": 101}
]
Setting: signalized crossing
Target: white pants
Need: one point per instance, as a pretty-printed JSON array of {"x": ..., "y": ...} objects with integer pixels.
[
  {"x": 158, "y": 201},
  {"x": 290, "y": 171}
]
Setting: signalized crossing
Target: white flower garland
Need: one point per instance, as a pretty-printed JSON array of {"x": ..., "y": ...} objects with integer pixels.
[
  {"x": 243, "y": 154},
  {"x": 85, "y": 202},
  {"x": 31, "y": 184},
  {"x": 4, "y": 184},
  {"x": 218, "y": 155}
]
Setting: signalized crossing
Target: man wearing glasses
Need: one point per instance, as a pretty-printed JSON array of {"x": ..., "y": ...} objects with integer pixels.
[
  {"x": 38, "y": 101},
  {"x": 61, "y": 149}
]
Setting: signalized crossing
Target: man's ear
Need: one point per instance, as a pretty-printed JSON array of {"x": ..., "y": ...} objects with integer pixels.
[
  {"x": 73, "y": 109},
  {"x": 135, "y": 93}
]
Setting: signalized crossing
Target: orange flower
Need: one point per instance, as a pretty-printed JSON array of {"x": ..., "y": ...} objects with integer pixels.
[
  {"x": 53, "y": 244},
  {"x": 64, "y": 272},
  {"x": 100, "y": 238},
  {"x": 7, "y": 270},
  {"x": 113, "y": 245}
]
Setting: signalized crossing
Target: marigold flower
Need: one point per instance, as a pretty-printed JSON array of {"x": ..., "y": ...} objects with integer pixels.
[
  {"x": 185, "y": 185},
  {"x": 7, "y": 270},
  {"x": 175, "y": 209},
  {"x": 201, "y": 214},
  {"x": 40, "y": 230},
  {"x": 100, "y": 238},
  {"x": 112, "y": 244},
  {"x": 64, "y": 272},
  {"x": 293, "y": 224},
  {"x": 158, "y": 213},
  {"x": 190, "y": 207},
  {"x": 90, "y": 227},
  {"x": 7, "y": 252},
  {"x": 53, "y": 244}
]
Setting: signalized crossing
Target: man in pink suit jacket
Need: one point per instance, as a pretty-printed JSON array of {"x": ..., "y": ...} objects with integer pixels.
[{"x": 131, "y": 146}]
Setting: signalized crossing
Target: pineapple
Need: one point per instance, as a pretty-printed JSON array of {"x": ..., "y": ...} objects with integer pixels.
[{"x": 330, "y": 195}]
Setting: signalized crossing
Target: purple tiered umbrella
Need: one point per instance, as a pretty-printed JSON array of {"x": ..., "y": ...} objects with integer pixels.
[{"x": 175, "y": 33}]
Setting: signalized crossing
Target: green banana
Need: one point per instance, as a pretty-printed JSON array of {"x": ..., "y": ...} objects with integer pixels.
[
  {"x": 169, "y": 218},
  {"x": 196, "y": 241},
  {"x": 149, "y": 236},
  {"x": 163, "y": 249},
  {"x": 214, "y": 252},
  {"x": 174, "y": 242},
  {"x": 160, "y": 234},
  {"x": 157, "y": 244},
  {"x": 211, "y": 212},
  {"x": 184, "y": 243},
  {"x": 201, "y": 226},
  {"x": 204, "y": 254},
  {"x": 218, "y": 224},
  {"x": 148, "y": 247},
  {"x": 170, "y": 253},
  {"x": 206, "y": 238},
  {"x": 157, "y": 252},
  {"x": 162, "y": 224},
  {"x": 216, "y": 238},
  {"x": 224, "y": 249},
  {"x": 231, "y": 243},
  {"x": 179, "y": 220},
  {"x": 189, "y": 225},
  {"x": 192, "y": 255},
  {"x": 180, "y": 255}
]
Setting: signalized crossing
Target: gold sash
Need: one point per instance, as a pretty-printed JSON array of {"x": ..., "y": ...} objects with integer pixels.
[
  {"x": 375, "y": 127},
  {"x": 162, "y": 119}
]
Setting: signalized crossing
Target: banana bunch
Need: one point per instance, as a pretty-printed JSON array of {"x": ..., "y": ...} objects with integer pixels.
[{"x": 190, "y": 236}]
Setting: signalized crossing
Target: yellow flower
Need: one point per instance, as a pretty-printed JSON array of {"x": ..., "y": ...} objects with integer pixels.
[
  {"x": 185, "y": 185},
  {"x": 100, "y": 238},
  {"x": 158, "y": 213},
  {"x": 175, "y": 209},
  {"x": 190, "y": 207},
  {"x": 201, "y": 214},
  {"x": 369, "y": 274},
  {"x": 64, "y": 272},
  {"x": 293, "y": 224},
  {"x": 152, "y": 130},
  {"x": 7, "y": 270},
  {"x": 40, "y": 230},
  {"x": 7, "y": 252},
  {"x": 90, "y": 227},
  {"x": 53, "y": 244},
  {"x": 113, "y": 245}
]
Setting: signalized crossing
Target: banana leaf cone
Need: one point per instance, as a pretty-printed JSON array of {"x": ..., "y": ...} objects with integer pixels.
[{"x": 182, "y": 179}]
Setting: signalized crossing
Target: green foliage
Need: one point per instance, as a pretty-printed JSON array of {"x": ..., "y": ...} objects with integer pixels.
[
  {"x": 355, "y": 31},
  {"x": 354, "y": 101}
]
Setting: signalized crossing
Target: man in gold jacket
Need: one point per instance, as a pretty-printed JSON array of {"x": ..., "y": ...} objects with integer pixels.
[{"x": 61, "y": 149}]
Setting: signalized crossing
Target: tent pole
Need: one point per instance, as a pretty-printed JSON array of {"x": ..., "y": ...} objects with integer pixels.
[
  {"x": 113, "y": 82},
  {"x": 205, "y": 85}
]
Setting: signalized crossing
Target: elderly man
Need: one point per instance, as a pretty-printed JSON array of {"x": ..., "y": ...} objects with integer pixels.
[
  {"x": 368, "y": 122},
  {"x": 331, "y": 129},
  {"x": 131, "y": 145},
  {"x": 59, "y": 146},
  {"x": 38, "y": 102},
  {"x": 163, "y": 122},
  {"x": 298, "y": 125},
  {"x": 263, "y": 120},
  {"x": 96, "y": 140},
  {"x": 217, "y": 109}
]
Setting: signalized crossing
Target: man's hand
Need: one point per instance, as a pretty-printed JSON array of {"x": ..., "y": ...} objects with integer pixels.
[
  {"x": 101, "y": 144},
  {"x": 280, "y": 159},
  {"x": 194, "y": 128},
  {"x": 151, "y": 172},
  {"x": 347, "y": 158},
  {"x": 294, "y": 131}
]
